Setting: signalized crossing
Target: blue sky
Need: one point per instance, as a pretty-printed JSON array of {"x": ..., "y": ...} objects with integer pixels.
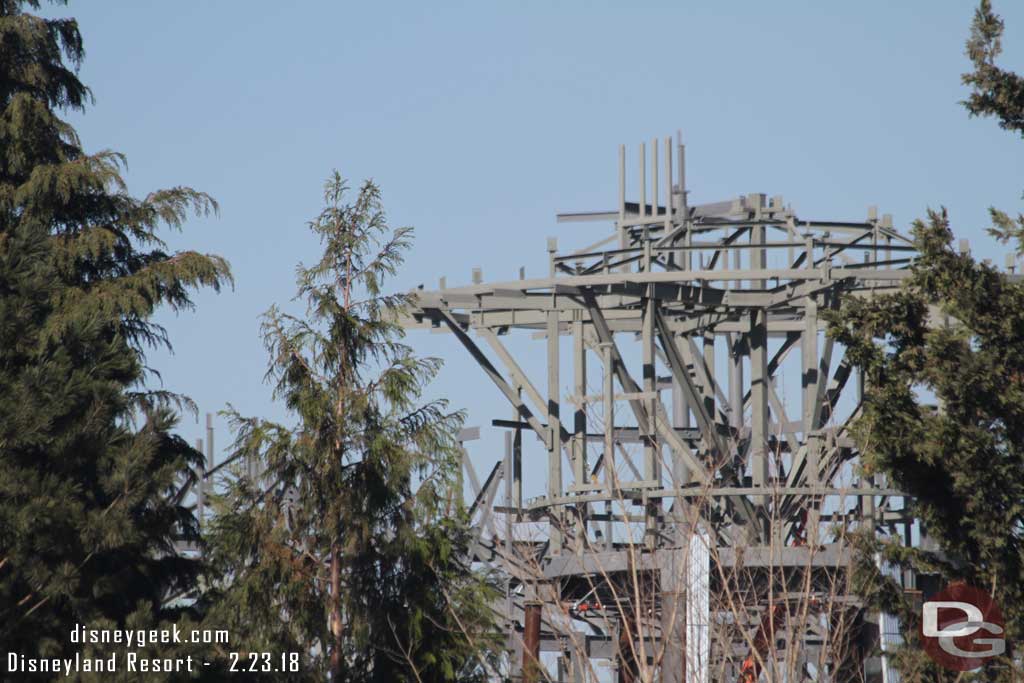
[{"x": 480, "y": 121}]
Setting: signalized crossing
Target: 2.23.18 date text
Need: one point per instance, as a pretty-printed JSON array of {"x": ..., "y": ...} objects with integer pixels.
[{"x": 263, "y": 662}]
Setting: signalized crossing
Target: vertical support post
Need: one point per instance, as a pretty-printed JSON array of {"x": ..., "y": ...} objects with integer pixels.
[
  {"x": 680, "y": 407},
  {"x": 810, "y": 380},
  {"x": 554, "y": 431},
  {"x": 460, "y": 484},
  {"x": 758, "y": 342},
  {"x": 609, "y": 416},
  {"x": 622, "y": 183},
  {"x": 508, "y": 488},
  {"x": 681, "y": 163},
  {"x": 758, "y": 237},
  {"x": 673, "y": 615},
  {"x": 201, "y": 486},
  {"x": 531, "y": 642},
  {"x": 685, "y": 262},
  {"x": 611, "y": 480},
  {"x": 209, "y": 441},
  {"x": 709, "y": 363},
  {"x": 759, "y": 400},
  {"x": 874, "y": 245},
  {"x": 680, "y": 420},
  {"x": 681, "y": 475},
  {"x": 579, "y": 353},
  {"x": 652, "y": 450},
  {"x": 579, "y": 449},
  {"x": 517, "y": 461},
  {"x": 814, "y": 443},
  {"x": 736, "y": 353},
  {"x": 669, "y": 199},
  {"x": 737, "y": 264},
  {"x": 809, "y": 357},
  {"x": 621, "y": 225},
  {"x": 653, "y": 177},
  {"x": 209, "y": 448},
  {"x": 643, "y": 179},
  {"x": 887, "y": 222}
]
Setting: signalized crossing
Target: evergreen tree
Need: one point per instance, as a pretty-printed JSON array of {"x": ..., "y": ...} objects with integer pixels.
[
  {"x": 88, "y": 460},
  {"x": 955, "y": 331},
  {"x": 995, "y": 92},
  {"x": 952, "y": 336},
  {"x": 350, "y": 547}
]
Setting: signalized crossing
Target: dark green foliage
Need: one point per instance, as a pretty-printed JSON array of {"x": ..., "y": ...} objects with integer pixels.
[
  {"x": 995, "y": 92},
  {"x": 943, "y": 412},
  {"x": 956, "y": 333},
  {"x": 358, "y": 494},
  {"x": 88, "y": 464}
]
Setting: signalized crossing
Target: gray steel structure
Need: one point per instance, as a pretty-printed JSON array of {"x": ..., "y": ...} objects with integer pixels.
[{"x": 715, "y": 445}]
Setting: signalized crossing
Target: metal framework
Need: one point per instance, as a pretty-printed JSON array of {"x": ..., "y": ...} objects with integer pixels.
[{"x": 673, "y": 466}]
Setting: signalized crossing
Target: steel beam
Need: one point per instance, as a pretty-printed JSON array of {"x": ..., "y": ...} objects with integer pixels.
[{"x": 522, "y": 411}]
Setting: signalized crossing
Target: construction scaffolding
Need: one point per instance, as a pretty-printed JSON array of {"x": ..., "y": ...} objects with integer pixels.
[{"x": 694, "y": 517}]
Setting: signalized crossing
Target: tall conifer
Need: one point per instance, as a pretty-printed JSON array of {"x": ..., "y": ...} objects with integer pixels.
[
  {"x": 943, "y": 412},
  {"x": 88, "y": 459},
  {"x": 351, "y": 546}
]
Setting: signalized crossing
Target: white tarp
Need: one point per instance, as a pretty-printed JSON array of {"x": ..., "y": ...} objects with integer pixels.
[
  {"x": 889, "y": 627},
  {"x": 698, "y": 643}
]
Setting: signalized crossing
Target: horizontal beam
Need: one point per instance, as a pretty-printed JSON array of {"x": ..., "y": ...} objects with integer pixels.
[
  {"x": 630, "y": 491},
  {"x": 752, "y": 556}
]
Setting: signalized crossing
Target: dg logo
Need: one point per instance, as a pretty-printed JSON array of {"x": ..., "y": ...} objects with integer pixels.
[{"x": 962, "y": 627}]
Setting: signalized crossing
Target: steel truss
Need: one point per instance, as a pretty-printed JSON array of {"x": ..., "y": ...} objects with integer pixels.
[{"x": 687, "y": 437}]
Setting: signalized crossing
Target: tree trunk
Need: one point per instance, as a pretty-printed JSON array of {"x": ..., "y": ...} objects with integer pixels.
[{"x": 335, "y": 621}]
